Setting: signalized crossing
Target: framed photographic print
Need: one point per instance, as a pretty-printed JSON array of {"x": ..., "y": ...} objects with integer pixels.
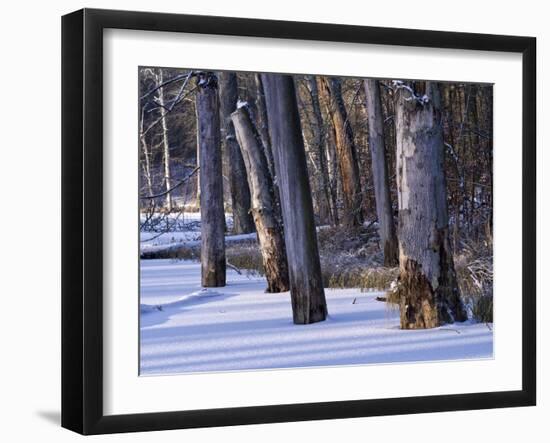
[{"x": 269, "y": 221}]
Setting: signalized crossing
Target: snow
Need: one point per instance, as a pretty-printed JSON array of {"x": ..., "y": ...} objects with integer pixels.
[
  {"x": 241, "y": 104},
  {"x": 183, "y": 229},
  {"x": 186, "y": 328},
  {"x": 169, "y": 240}
]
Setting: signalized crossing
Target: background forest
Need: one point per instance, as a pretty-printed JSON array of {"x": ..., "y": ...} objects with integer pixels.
[{"x": 359, "y": 172}]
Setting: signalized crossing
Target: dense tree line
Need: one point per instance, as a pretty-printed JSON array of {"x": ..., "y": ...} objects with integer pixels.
[{"x": 285, "y": 154}]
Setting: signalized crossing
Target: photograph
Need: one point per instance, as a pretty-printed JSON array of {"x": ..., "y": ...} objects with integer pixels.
[{"x": 297, "y": 220}]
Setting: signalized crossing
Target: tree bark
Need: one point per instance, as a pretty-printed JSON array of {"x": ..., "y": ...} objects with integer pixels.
[
  {"x": 306, "y": 285},
  {"x": 165, "y": 143},
  {"x": 145, "y": 150},
  {"x": 262, "y": 122},
  {"x": 240, "y": 193},
  {"x": 320, "y": 145},
  {"x": 427, "y": 286},
  {"x": 262, "y": 125},
  {"x": 386, "y": 227},
  {"x": 330, "y": 89},
  {"x": 263, "y": 208},
  {"x": 213, "y": 266}
]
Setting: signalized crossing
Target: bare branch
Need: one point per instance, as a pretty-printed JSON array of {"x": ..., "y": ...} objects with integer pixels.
[
  {"x": 177, "y": 185},
  {"x": 167, "y": 82}
]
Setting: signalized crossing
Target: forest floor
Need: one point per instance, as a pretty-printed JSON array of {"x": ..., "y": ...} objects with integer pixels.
[{"x": 185, "y": 328}]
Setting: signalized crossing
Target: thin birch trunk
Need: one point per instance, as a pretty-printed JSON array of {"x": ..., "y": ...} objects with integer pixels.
[
  {"x": 165, "y": 141},
  {"x": 147, "y": 161}
]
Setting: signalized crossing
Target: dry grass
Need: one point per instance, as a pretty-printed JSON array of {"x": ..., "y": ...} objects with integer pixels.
[
  {"x": 474, "y": 270},
  {"x": 378, "y": 278},
  {"x": 246, "y": 256},
  {"x": 352, "y": 259}
]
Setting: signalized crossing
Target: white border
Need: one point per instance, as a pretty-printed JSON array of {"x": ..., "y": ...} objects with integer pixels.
[{"x": 125, "y": 392}]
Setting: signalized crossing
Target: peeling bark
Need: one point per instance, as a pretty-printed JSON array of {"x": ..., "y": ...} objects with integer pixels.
[
  {"x": 306, "y": 285},
  {"x": 427, "y": 286},
  {"x": 213, "y": 266},
  {"x": 263, "y": 207}
]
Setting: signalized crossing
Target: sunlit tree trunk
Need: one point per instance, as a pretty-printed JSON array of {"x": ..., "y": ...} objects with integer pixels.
[
  {"x": 306, "y": 285},
  {"x": 330, "y": 89},
  {"x": 427, "y": 287}
]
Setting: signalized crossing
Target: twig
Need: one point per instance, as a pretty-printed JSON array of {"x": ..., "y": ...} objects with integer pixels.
[
  {"x": 167, "y": 82},
  {"x": 237, "y": 270},
  {"x": 177, "y": 185},
  {"x": 451, "y": 330}
]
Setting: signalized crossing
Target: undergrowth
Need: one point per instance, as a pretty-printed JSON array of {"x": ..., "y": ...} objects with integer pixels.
[{"x": 352, "y": 259}]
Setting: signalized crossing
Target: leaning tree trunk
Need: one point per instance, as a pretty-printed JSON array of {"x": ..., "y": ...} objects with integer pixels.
[
  {"x": 263, "y": 207},
  {"x": 330, "y": 90},
  {"x": 211, "y": 184},
  {"x": 240, "y": 193},
  {"x": 306, "y": 284},
  {"x": 386, "y": 227},
  {"x": 427, "y": 287}
]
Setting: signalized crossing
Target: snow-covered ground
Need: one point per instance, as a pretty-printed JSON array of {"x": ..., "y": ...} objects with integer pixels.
[{"x": 185, "y": 328}]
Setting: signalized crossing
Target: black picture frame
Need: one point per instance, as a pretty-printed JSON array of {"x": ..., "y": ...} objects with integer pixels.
[{"x": 82, "y": 218}]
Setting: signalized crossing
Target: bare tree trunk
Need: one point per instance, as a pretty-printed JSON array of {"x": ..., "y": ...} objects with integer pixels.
[
  {"x": 332, "y": 163},
  {"x": 320, "y": 145},
  {"x": 147, "y": 163},
  {"x": 166, "y": 144},
  {"x": 306, "y": 284},
  {"x": 263, "y": 129},
  {"x": 270, "y": 234},
  {"x": 198, "y": 194},
  {"x": 345, "y": 150},
  {"x": 240, "y": 193},
  {"x": 213, "y": 266},
  {"x": 263, "y": 124},
  {"x": 386, "y": 227},
  {"x": 427, "y": 286}
]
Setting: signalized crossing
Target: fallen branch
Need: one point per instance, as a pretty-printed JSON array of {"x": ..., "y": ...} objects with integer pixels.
[{"x": 237, "y": 270}]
